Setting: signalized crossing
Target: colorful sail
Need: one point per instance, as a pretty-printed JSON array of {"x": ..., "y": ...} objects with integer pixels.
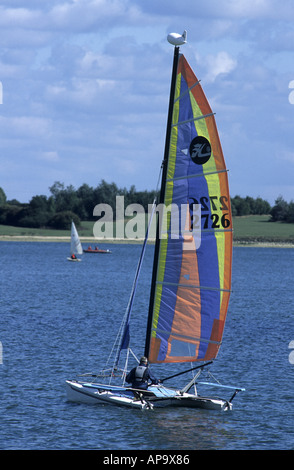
[{"x": 192, "y": 275}]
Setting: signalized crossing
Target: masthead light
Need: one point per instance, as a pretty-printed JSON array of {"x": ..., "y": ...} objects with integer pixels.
[{"x": 177, "y": 39}]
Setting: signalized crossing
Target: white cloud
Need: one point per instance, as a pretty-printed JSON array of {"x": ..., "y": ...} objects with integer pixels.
[
  {"x": 50, "y": 156},
  {"x": 18, "y": 17},
  {"x": 247, "y": 8},
  {"x": 86, "y": 15},
  {"x": 221, "y": 63},
  {"x": 26, "y": 127}
]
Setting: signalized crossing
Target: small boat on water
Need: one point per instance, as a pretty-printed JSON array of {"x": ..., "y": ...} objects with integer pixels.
[
  {"x": 191, "y": 277},
  {"x": 75, "y": 245},
  {"x": 95, "y": 250}
]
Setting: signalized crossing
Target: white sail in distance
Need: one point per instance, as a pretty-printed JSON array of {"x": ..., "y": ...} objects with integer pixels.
[{"x": 75, "y": 244}]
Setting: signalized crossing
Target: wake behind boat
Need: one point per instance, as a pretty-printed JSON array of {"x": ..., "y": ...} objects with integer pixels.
[{"x": 191, "y": 279}]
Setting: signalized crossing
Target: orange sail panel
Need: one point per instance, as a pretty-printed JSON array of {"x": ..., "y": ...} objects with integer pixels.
[{"x": 193, "y": 272}]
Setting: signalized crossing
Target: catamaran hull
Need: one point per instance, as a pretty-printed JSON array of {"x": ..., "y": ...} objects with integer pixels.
[{"x": 83, "y": 393}]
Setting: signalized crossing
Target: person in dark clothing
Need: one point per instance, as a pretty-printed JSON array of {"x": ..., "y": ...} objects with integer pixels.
[{"x": 140, "y": 376}]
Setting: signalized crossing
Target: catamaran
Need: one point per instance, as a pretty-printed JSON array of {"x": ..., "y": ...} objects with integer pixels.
[
  {"x": 191, "y": 279},
  {"x": 75, "y": 244}
]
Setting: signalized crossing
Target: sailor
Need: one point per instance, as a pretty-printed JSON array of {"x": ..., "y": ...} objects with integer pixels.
[{"x": 140, "y": 375}]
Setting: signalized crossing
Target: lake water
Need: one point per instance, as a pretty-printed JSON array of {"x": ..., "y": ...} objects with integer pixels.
[{"x": 59, "y": 319}]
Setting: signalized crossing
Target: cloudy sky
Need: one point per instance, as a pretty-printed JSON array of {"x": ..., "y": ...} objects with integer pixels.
[{"x": 85, "y": 87}]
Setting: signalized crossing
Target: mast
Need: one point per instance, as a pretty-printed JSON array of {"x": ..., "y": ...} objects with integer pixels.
[{"x": 162, "y": 191}]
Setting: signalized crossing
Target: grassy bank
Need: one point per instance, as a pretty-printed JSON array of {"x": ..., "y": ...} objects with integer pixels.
[
  {"x": 258, "y": 229},
  {"x": 86, "y": 230},
  {"x": 247, "y": 230}
]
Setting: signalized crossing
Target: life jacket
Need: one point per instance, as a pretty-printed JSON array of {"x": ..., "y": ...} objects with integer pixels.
[{"x": 139, "y": 374}]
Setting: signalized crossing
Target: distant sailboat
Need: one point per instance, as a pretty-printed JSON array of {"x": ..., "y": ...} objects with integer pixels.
[
  {"x": 75, "y": 244},
  {"x": 191, "y": 279}
]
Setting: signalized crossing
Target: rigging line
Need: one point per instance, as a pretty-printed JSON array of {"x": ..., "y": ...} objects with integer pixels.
[
  {"x": 125, "y": 368},
  {"x": 132, "y": 296},
  {"x": 122, "y": 330},
  {"x": 193, "y": 119},
  {"x": 201, "y": 366},
  {"x": 196, "y": 175},
  {"x": 187, "y": 91},
  {"x": 191, "y": 286}
]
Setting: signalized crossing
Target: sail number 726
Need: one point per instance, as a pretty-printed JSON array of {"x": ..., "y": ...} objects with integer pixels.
[{"x": 210, "y": 207}]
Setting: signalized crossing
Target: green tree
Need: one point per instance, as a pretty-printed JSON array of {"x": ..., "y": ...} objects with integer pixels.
[
  {"x": 240, "y": 206},
  {"x": 290, "y": 213},
  {"x": 85, "y": 195},
  {"x": 10, "y": 214},
  {"x": 66, "y": 199},
  {"x": 38, "y": 212},
  {"x": 261, "y": 207},
  {"x": 56, "y": 188},
  {"x": 62, "y": 220},
  {"x": 106, "y": 193},
  {"x": 2, "y": 197},
  {"x": 280, "y": 210}
]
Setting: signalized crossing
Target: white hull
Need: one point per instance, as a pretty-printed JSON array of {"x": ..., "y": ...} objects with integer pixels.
[
  {"x": 74, "y": 260},
  {"x": 162, "y": 397}
]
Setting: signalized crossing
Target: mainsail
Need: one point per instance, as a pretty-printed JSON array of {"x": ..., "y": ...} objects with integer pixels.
[
  {"x": 191, "y": 277},
  {"x": 75, "y": 244}
]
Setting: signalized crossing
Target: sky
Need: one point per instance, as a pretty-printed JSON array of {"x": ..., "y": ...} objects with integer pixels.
[{"x": 85, "y": 88}]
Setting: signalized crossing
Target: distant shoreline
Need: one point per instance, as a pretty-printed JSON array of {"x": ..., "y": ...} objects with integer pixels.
[{"x": 90, "y": 240}]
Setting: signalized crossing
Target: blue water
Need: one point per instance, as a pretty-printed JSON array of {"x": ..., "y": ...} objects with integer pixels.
[{"x": 59, "y": 319}]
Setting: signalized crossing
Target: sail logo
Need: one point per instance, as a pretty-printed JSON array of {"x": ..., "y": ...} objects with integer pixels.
[
  {"x": 291, "y": 94},
  {"x": 174, "y": 222},
  {"x": 200, "y": 150}
]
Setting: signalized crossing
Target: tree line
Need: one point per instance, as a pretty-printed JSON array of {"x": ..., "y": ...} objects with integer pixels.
[
  {"x": 281, "y": 211},
  {"x": 66, "y": 204}
]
